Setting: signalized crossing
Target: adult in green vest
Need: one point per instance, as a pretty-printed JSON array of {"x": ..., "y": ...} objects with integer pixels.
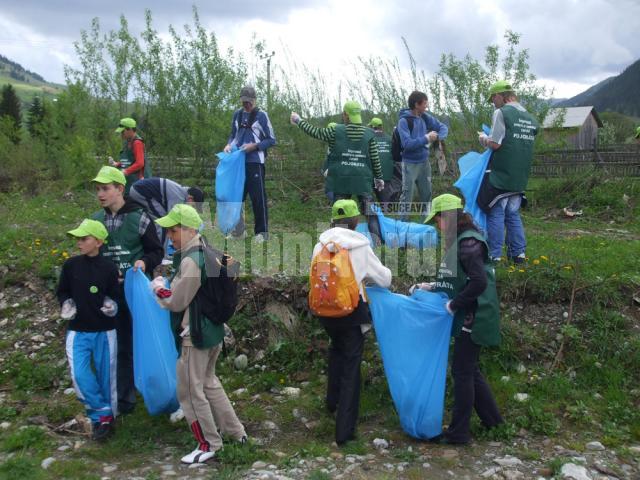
[
  {"x": 391, "y": 171},
  {"x": 467, "y": 276},
  {"x": 132, "y": 243},
  {"x": 354, "y": 163},
  {"x": 513, "y": 131},
  {"x": 199, "y": 341},
  {"x": 132, "y": 161}
]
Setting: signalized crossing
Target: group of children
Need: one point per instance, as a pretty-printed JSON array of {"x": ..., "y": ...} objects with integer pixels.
[
  {"x": 122, "y": 235},
  {"x": 99, "y": 337}
]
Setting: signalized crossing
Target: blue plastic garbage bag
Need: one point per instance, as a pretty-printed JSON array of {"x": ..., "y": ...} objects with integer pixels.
[
  {"x": 229, "y": 188},
  {"x": 413, "y": 335},
  {"x": 472, "y": 168},
  {"x": 154, "y": 348},
  {"x": 396, "y": 233}
]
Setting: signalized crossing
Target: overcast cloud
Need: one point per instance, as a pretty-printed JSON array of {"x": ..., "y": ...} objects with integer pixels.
[{"x": 572, "y": 44}]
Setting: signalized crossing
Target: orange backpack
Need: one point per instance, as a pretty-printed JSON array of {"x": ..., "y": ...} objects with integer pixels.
[{"x": 333, "y": 289}]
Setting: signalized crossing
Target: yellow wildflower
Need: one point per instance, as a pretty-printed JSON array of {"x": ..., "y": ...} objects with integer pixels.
[
  {"x": 54, "y": 251},
  {"x": 521, "y": 270},
  {"x": 567, "y": 267},
  {"x": 65, "y": 254},
  {"x": 544, "y": 258},
  {"x": 536, "y": 262}
]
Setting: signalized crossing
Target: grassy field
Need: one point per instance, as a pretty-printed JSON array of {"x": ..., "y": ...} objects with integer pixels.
[{"x": 570, "y": 325}]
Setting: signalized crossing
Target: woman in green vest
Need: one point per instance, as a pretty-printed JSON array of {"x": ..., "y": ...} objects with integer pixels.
[{"x": 467, "y": 276}]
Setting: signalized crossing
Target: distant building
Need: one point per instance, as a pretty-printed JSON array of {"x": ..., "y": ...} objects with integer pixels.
[{"x": 575, "y": 127}]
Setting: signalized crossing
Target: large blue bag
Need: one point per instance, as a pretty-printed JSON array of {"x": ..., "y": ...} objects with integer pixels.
[
  {"x": 229, "y": 187},
  {"x": 413, "y": 335},
  {"x": 472, "y": 167},
  {"x": 396, "y": 233},
  {"x": 154, "y": 348}
]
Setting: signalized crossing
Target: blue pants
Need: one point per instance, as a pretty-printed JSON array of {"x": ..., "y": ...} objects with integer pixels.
[
  {"x": 95, "y": 387},
  {"x": 413, "y": 173},
  {"x": 505, "y": 214}
]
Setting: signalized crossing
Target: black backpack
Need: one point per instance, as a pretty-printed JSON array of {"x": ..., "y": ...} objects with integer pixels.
[
  {"x": 218, "y": 295},
  {"x": 396, "y": 144}
]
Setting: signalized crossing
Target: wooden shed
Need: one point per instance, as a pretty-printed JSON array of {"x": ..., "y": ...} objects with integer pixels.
[{"x": 577, "y": 127}]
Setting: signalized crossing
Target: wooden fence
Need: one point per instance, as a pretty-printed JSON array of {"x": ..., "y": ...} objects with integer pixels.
[{"x": 615, "y": 161}]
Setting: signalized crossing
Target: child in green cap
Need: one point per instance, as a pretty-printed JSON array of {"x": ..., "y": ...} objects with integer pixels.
[
  {"x": 89, "y": 294},
  {"x": 200, "y": 393}
]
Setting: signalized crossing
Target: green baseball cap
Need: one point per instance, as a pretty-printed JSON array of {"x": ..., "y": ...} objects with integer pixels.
[
  {"x": 499, "y": 87},
  {"x": 353, "y": 110},
  {"x": 125, "y": 123},
  {"x": 110, "y": 175},
  {"x": 375, "y": 122},
  {"x": 638, "y": 132},
  {"x": 92, "y": 228},
  {"x": 443, "y": 203},
  {"x": 181, "y": 214},
  {"x": 345, "y": 208}
]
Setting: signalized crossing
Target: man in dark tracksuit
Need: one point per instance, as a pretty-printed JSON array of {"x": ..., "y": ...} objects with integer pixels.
[
  {"x": 132, "y": 243},
  {"x": 252, "y": 132}
]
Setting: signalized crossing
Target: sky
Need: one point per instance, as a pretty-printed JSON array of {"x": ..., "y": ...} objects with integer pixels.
[{"x": 572, "y": 44}]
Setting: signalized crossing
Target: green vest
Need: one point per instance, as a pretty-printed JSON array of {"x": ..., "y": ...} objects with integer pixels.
[
  {"x": 123, "y": 246},
  {"x": 126, "y": 160},
  {"x": 386, "y": 160},
  {"x": 204, "y": 333},
  {"x": 486, "y": 325},
  {"x": 511, "y": 163},
  {"x": 350, "y": 170}
]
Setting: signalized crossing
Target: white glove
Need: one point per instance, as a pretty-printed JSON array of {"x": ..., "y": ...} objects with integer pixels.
[
  {"x": 325, "y": 173},
  {"x": 227, "y": 148},
  {"x": 428, "y": 286},
  {"x": 379, "y": 183},
  {"x": 109, "y": 307},
  {"x": 112, "y": 162},
  {"x": 483, "y": 139},
  {"x": 68, "y": 311},
  {"x": 295, "y": 118},
  {"x": 157, "y": 283},
  {"x": 448, "y": 307},
  {"x": 431, "y": 136}
]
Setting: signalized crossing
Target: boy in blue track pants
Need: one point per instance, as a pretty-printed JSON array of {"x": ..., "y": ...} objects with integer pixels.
[{"x": 89, "y": 293}]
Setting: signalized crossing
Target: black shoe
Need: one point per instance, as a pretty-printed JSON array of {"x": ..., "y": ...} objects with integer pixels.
[
  {"x": 125, "y": 408},
  {"x": 102, "y": 431},
  {"x": 518, "y": 260},
  {"x": 442, "y": 439}
]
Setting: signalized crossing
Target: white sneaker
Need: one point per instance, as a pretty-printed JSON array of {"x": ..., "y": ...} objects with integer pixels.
[
  {"x": 259, "y": 238},
  {"x": 197, "y": 456},
  {"x": 241, "y": 236},
  {"x": 176, "y": 416}
]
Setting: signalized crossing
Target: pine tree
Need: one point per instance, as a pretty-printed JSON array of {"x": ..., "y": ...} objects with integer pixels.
[
  {"x": 35, "y": 116},
  {"x": 10, "y": 107}
]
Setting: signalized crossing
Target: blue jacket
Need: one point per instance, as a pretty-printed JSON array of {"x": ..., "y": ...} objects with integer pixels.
[
  {"x": 261, "y": 132},
  {"x": 414, "y": 143}
]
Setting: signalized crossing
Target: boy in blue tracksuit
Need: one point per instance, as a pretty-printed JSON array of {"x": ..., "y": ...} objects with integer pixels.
[
  {"x": 89, "y": 293},
  {"x": 417, "y": 130}
]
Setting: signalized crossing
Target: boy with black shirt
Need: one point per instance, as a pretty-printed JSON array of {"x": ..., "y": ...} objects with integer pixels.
[{"x": 89, "y": 293}]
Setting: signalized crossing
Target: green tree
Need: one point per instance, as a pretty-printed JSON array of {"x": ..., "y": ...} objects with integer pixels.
[
  {"x": 459, "y": 88},
  {"x": 10, "y": 107},
  {"x": 35, "y": 117}
]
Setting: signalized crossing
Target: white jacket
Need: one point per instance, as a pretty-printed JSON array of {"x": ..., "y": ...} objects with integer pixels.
[{"x": 366, "y": 266}]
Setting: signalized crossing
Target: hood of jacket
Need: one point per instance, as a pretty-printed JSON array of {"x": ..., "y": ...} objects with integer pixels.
[{"x": 348, "y": 239}]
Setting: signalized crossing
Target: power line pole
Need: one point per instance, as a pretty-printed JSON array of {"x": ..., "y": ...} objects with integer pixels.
[{"x": 267, "y": 57}]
